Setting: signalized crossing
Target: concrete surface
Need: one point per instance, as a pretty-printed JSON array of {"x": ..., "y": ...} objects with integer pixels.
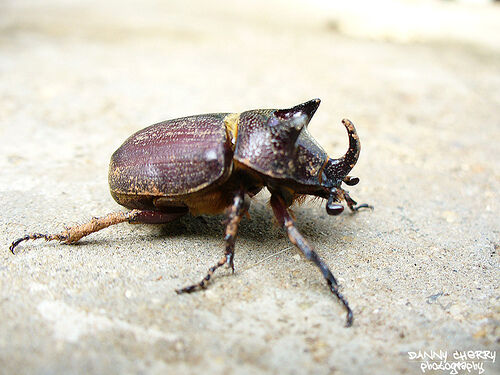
[{"x": 421, "y": 271}]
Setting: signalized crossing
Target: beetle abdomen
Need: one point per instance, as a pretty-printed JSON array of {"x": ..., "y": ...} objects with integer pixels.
[{"x": 172, "y": 158}]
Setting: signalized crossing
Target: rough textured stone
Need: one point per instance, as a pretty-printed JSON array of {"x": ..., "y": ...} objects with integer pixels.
[{"x": 421, "y": 271}]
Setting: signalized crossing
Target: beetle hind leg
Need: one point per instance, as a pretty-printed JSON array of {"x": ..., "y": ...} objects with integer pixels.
[
  {"x": 236, "y": 213},
  {"x": 34, "y": 236},
  {"x": 75, "y": 233}
]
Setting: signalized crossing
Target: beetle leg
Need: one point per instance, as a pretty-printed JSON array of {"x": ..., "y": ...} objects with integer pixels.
[
  {"x": 352, "y": 204},
  {"x": 236, "y": 213},
  {"x": 156, "y": 217},
  {"x": 75, "y": 233},
  {"x": 286, "y": 221}
]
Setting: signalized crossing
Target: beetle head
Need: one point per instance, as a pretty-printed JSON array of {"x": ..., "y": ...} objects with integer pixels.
[{"x": 336, "y": 171}]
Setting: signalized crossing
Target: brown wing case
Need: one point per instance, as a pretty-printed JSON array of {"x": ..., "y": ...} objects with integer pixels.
[{"x": 172, "y": 158}]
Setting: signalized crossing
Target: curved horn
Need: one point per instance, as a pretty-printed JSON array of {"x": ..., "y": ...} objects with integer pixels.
[{"x": 347, "y": 162}]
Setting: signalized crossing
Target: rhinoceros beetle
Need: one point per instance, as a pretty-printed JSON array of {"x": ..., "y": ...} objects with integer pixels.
[{"x": 208, "y": 164}]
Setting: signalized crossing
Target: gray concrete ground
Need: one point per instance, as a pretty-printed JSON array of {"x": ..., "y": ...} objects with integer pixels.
[{"x": 421, "y": 271}]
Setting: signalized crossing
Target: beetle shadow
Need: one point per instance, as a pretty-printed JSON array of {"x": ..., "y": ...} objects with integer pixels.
[{"x": 260, "y": 228}]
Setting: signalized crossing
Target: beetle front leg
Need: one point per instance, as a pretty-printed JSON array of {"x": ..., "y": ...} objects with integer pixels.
[
  {"x": 236, "y": 212},
  {"x": 352, "y": 204},
  {"x": 286, "y": 221}
]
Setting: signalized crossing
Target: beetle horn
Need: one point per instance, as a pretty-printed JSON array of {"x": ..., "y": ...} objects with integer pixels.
[
  {"x": 340, "y": 168},
  {"x": 286, "y": 124},
  {"x": 308, "y": 109},
  {"x": 286, "y": 132},
  {"x": 349, "y": 160}
]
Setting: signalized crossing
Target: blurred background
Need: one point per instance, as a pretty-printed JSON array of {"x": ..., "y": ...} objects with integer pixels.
[{"x": 419, "y": 79}]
